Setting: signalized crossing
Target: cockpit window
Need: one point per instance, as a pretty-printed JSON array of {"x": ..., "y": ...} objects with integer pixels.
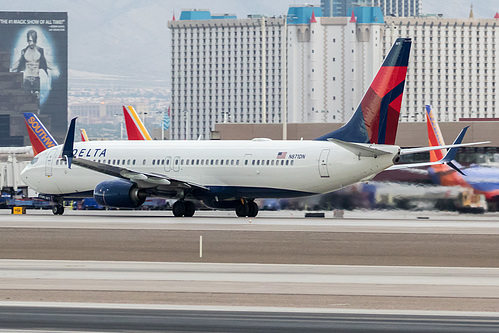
[{"x": 34, "y": 160}]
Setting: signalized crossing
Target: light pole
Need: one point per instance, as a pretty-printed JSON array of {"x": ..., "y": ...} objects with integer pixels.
[{"x": 121, "y": 124}]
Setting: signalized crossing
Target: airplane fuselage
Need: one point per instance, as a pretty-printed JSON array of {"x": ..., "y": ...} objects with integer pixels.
[{"x": 259, "y": 168}]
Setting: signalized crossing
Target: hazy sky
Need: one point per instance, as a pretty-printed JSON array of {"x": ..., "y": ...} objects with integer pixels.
[{"x": 130, "y": 38}]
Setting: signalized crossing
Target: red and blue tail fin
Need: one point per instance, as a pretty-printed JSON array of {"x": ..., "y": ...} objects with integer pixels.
[
  {"x": 376, "y": 118},
  {"x": 135, "y": 129},
  {"x": 39, "y": 136}
]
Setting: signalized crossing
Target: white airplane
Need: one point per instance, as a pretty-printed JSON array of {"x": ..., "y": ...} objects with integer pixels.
[{"x": 231, "y": 174}]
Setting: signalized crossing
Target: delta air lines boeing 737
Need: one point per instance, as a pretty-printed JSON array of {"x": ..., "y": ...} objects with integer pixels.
[{"x": 231, "y": 174}]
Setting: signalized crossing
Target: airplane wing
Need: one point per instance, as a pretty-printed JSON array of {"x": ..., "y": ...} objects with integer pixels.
[{"x": 142, "y": 179}]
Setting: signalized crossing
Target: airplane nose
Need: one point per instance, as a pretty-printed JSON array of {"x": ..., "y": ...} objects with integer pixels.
[{"x": 25, "y": 176}]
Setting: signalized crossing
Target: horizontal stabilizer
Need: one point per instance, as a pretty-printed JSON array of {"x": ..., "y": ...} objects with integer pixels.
[
  {"x": 362, "y": 150},
  {"x": 425, "y": 149}
]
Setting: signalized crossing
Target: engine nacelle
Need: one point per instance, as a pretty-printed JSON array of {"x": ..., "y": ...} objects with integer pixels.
[{"x": 119, "y": 193}]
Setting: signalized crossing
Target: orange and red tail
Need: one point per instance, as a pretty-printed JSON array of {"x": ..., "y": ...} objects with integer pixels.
[
  {"x": 134, "y": 127},
  {"x": 39, "y": 136},
  {"x": 442, "y": 173},
  {"x": 84, "y": 136}
]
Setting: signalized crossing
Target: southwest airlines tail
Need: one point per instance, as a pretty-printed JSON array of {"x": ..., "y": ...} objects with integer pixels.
[
  {"x": 441, "y": 173},
  {"x": 134, "y": 127},
  {"x": 376, "y": 118},
  {"x": 39, "y": 136},
  {"x": 84, "y": 136}
]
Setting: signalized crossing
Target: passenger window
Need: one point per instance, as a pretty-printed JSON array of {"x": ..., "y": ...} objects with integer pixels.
[
  {"x": 117, "y": 162},
  {"x": 197, "y": 162},
  {"x": 211, "y": 162},
  {"x": 153, "y": 162},
  {"x": 182, "y": 162},
  {"x": 231, "y": 162},
  {"x": 287, "y": 162},
  {"x": 221, "y": 162},
  {"x": 246, "y": 162},
  {"x": 162, "y": 162},
  {"x": 133, "y": 162},
  {"x": 272, "y": 162},
  {"x": 202, "y": 162},
  {"x": 144, "y": 162},
  {"x": 253, "y": 162},
  {"x": 292, "y": 162},
  {"x": 186, "y": 162},
  {"x": 123, "y": 162},
  {"x": 237, "y": 162},
  {"x": 128, "y": 162}
]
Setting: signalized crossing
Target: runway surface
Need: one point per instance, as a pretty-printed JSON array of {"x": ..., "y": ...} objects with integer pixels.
[
  {"x": 66, "y": 318},
  {"x": 420, "y": 261}
]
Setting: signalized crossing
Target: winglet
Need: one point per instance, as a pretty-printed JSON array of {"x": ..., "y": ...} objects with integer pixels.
[
  {"x": 451, "y": 154},
  {"x": 67, "y": 149}
]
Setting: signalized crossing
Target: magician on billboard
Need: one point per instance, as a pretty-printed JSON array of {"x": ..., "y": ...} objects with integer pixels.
[{"x": 32, "y": 55}]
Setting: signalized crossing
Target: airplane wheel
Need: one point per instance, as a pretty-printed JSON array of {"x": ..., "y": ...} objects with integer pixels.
[
  {"x": 190, "y": 209},
  {"x": 178, "y": 208},
  {"x": 242, "y": 210},
  {"x": 253, "y": 209},
  {"x": 58, "y": 210}
]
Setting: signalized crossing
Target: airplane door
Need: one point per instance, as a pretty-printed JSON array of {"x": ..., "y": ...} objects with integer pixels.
[
  {"x": 176, "y": 163},
  {"x": 323, "y": 163},
  {"x": 49, "y": 161},
  {"x": 168, "y": 163}
]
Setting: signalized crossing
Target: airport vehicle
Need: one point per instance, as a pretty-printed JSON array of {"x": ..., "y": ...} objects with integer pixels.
[
  {"x": 231, "y": 174},
  {"x": 481, "y": 179}
]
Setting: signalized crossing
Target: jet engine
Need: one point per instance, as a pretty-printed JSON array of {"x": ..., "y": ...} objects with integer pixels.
[{"x": 119, "y": 193}]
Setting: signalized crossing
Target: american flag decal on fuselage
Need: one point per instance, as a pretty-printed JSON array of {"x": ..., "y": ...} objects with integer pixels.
[{"x": 281, "y": 155}]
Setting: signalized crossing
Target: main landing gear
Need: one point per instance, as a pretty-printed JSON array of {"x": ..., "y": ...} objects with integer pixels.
[
  {"x": 248, "y": 208},
  {"x": 183, "y": 208},
  {"x": 58, "y": 209}
]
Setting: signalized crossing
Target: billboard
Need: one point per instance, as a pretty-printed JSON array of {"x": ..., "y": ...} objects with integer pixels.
[{"x": 36, "y": 43}]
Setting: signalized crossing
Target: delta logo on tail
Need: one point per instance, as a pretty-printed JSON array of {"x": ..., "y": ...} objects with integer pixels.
[
  {"x": 39, "y": 136},
  {"x": 134, "y": 127},
  {"x": 481, "y": 178},
  {"x": 376, "y": 118}
]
